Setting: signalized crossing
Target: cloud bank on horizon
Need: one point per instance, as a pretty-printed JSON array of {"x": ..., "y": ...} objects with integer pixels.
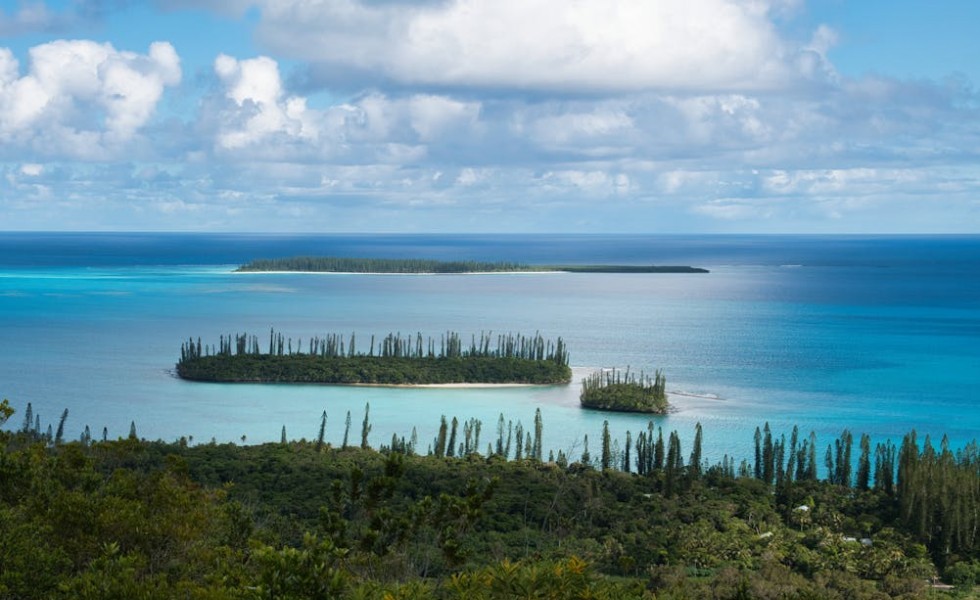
[{"x": 478, "y": 115}]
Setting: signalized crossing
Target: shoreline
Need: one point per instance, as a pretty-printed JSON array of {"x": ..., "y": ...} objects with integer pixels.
[{"x": 428, "y": 273}]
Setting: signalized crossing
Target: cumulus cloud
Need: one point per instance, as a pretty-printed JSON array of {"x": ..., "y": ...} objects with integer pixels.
[
  {"x": 80, "y": 97},
  {"x": 585, "y": 45},
  {"x": 258, "y": 108}
]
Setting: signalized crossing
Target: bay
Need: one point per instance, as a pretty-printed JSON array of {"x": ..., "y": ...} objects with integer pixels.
[{"x": 878, "y": 334}]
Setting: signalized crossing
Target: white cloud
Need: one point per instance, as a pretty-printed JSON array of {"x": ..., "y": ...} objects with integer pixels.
[
  {"x": 259, "y": 108},
  {"x": 541, "y": 44},
  {"x": 31, "y": 169},
  {"x": 80, "y": 97}
]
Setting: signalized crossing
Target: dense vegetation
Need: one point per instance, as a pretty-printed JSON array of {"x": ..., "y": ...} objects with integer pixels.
[
  {"x": 332, "y": 264},
  {"x": 395, "y": 360},
  {"x": 298, "y": 519},
  {"x": 625, "y": 392}
]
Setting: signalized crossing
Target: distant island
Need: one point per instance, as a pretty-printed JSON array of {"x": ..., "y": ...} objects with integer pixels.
[
  {"x": 329, "y": 264},
  {"x": 625, "y": 392},
  {"x": 395, "y": 360}
]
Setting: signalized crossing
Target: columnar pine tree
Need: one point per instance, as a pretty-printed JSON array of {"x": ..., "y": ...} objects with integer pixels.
[
  {"x": 768, "y": 471},
  {"x": 606, "y": 458},
  {"x": 365, "y": 427},
  {"x": 346, "y": 431},
  {"x": 323, "y": 431},
  {"x": 694, "y": 467},
  {"x": 791, "y": 464},
  {"x": 451, "y": 444},
  {"x": 538, "y": 429},
  {"x": 626, "y": 453},
  {"x": 864, "y": 464},
  {"x": 439, "y": 447},
  {"x": 60, "y": 435},
  {"x": 28, "y": 418}
]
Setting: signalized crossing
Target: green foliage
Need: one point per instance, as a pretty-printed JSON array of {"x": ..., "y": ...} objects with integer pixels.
[
  {"x": 399, "y": 361},
  {"x": 333, "y": 264},
  {"x": 137, "y": 519},
  {"x": 625, "y": 392},
  {"x": 6, "y": 411}
]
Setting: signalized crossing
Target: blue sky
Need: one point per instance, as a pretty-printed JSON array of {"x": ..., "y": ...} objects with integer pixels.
[{"x": 490, "y": 115}]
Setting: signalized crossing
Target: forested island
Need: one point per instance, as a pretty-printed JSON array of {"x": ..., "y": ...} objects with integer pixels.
[
  {"x": 101, "y": 518},
  {"x": 328, "y": 264},
  {"x": 625, "y": 392},
  {"x": 394, "y": 360}
]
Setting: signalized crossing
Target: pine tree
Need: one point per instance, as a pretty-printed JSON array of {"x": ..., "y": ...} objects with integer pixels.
[
  {"x": 439, "y": 448},
  {"x": 500, "y": 435},
  {"x": 586, "y": 457},
  {"x": 60, "y": 435},
  {"x": 659, "y": 456},
  {"x": 694, "y": 467},
  {"x": 791, "y": 464},
  {"x": 606, "y": 457},
  {"x": 28, "y": 418},
  {"x": 675, "y": 464},
  {"x": 282, "y": 439},
  {"x": 451, "y": 445},
  {"x": 365, "y": 427},
  {"x": 346, "y": 431},
  {"x": 518, "y": 441},
  {"x": 132, "y": 430},
  {"x": 626, "y": 452},
  {"x": 323, "y": 431},
  {"x": 757, "y": 468},
  {"x": 538, "y": 430},
  {"x": 864, "y": 464},
  {"x": 768, "y": 472},
  {"x": 811, "y": 458}
]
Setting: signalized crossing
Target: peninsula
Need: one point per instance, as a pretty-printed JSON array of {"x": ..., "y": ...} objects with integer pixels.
[
  {"x": 394, "y": 360},
  {"x": 329, "y": 264}
]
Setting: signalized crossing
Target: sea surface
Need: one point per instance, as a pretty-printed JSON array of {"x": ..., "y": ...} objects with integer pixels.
[{"x": 876, "y": 334}]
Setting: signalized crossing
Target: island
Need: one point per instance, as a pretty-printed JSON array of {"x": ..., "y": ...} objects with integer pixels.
[
  {"x": 615, "y": 390},
  {"x": 333, "y": 264},
  {"x": 394, "y": 360}
]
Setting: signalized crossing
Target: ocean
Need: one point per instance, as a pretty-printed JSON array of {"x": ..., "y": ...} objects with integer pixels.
[{"x": 875, "y": 334}]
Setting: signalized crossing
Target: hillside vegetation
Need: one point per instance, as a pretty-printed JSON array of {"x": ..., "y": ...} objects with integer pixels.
[{"x": 301, "y": 519}]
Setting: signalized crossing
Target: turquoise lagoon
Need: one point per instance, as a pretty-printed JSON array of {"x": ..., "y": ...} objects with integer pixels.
[{"x": 877, "y": 334}]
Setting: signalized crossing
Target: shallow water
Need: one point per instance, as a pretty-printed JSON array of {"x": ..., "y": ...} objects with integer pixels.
[{"x": 875, "y": 334}]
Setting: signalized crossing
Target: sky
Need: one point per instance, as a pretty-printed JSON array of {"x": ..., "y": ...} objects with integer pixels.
[{"x": 638, "y": 116}]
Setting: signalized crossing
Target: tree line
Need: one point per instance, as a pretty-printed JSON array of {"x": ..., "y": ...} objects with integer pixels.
[
  {"x": 129, "y": 518},
  {"x": 394, "y": 359},
  {"x": 333, "y": 264}
]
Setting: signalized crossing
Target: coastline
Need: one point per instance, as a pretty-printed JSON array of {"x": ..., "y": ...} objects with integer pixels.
[
  {"x": 426, "y": 274},
  {"x": 450, "y": 386}
]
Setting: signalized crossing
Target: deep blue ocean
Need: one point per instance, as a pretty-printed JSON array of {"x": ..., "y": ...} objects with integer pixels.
[{"x": 877, "y": 334}]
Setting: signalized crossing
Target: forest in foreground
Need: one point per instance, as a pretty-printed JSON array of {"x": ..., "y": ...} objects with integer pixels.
[{"x": 131, "y": 518}]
